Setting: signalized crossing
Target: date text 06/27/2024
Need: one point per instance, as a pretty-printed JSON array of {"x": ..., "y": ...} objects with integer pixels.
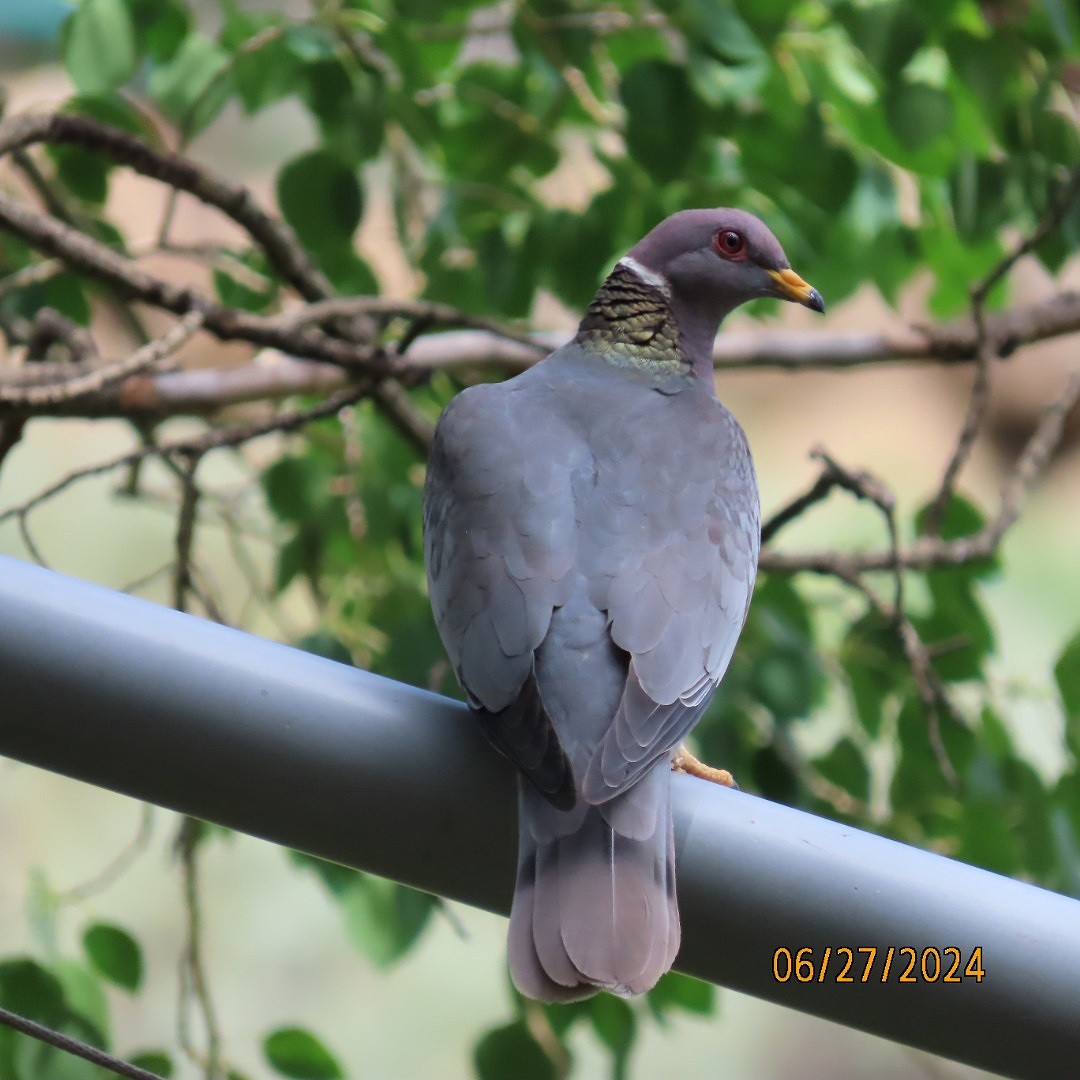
[{"x": 868, "y": 964}]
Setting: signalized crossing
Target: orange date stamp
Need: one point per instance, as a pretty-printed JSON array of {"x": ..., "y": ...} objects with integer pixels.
[{"x": 869, "y": 964}]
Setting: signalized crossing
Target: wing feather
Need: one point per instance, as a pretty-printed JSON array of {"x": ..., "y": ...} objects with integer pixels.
[
  {"x": 500, "y": 543},
  {"x": 677, "y": 597}
]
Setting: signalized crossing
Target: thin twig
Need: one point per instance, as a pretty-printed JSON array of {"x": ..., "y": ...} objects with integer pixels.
[
  {"x": 192, "y": 969},
  {"x": 275, "y": 237},
  {"x": 986, "y": 350},
  {"x": 90, "y": 257},
  {"x": 1049, "y": 223},
  {"x": 420, "y": 311},
  {"x": 75, "y": 1047},
  {"x": 931, "y": 691},
  {"x": 98, "y": 379},
  {"x": 929, "y": 551},
  {"x": 283, "y": 422},
  {"x": 11, "y": 431},
  {"x": 60, "y": 207},
  {"x": 860, "y": 483},
  {"x": 185, "y": 531},
  {"x": 116, "y": 867},
  {"x": 51, "y": 328},
  {"x": 30, "y": 543}
]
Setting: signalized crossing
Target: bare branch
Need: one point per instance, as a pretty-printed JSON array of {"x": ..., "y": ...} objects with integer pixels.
[
  {"x": 73, "y": 1046},
  {"x": 418, "y": 311},
  {"x": 978, "y": 402},
  {"x": 284, "y": 422},
  {"x": 930, "y": 551},
  {"x": 88, "y": 256},
  {"x": 193, "y": 978},
  {"x": 931, "y": 690},
  {"x": 275, "y": 237},
  {"x": 410, "y": 421},
  {"x": 11, "y": 431},
  {"x": 51, "y": 328},
  {"x": 98, "y": 379},
  {"x": 861, "y": 484},
  {"x": 185, "y": 531},
  {"x": 206, "y": 391},
  {"x": 986, "y": 349},
  {"x": 1052, "y": 219},
  {"x": 117, "y": 866}
]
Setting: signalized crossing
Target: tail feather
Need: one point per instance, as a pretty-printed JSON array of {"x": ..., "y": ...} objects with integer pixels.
[{"x": 595, "y": 907}]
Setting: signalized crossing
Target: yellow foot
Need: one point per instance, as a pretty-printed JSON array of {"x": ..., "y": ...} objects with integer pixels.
[{"x": 684, "y": 761}]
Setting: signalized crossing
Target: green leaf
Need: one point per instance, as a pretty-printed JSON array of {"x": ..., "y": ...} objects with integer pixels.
[
  {"x": 575, "y": 248},
  {"x": 42, "y": 904},
  {"x": 84, "y": 996},
  {"x": 785, "y": 674},
  {"x": 296, "y": 486},
  {"x": 320, "y": 197},
  {"x": 917, "y": 113},
  {"x": 67, "y": 294},
  {"x": 616, "y": 1026},
  {"x": 872, "y": 657},
  {"x": 160, "y": 26},
  {"x": 269, "y": 72},
  {"x": 677, "y": 991},
  {"x": 255, "y": 291},
  {"x": 495, "y": 125},
  {"x": 886, "y": 33},
  {"x": 99, "y": 45},
  {"x": 349, "y": 105},
  {"x": 385, "y": 919},
  {"x": 655, "y": 93},
  {"x": 323, "y": 643},
  {"x": 192, "y": 88},
  {"x": 774, "y": 777},
  {"x": 29, "y": 989},
  {"x": 115, "y": 954},
  {"x": 154, "y": 1061},
  {"x": 348, "y": 273},
  {"x": 83, "y": 172},
  {"x": 511, "y": 1053},
  {"x": 720, "y": 29},
  {"x": 1067, "y": 676},
  {"x": 298, "y": 1054},
  {"x": 845, "y": 766}
]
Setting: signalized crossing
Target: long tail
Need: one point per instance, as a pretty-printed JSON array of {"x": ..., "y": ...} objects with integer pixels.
[{"x": 594, "y": 906}]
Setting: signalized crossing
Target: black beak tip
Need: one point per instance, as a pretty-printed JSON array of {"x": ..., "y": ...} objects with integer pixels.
[{"x": 815, "y": 303}]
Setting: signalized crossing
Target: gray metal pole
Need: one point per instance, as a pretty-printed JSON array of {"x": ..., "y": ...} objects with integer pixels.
[{"x": 212, "y": 722}]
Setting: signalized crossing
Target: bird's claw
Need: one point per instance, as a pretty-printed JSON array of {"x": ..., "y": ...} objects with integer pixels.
[{"x": 684, "y": 761}]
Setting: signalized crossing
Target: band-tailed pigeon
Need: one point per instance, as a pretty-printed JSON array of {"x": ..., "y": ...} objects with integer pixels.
[{"x": 591, "y": 536}]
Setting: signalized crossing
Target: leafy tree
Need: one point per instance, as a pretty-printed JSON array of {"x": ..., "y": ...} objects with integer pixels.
[{"x": 881, "y": 140}]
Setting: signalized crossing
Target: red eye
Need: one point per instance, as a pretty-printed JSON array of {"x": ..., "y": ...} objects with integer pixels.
[{"x": 730, "y": 244}]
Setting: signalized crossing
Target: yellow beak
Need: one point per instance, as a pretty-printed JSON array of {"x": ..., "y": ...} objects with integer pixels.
[{"x": 789, "y": 286}]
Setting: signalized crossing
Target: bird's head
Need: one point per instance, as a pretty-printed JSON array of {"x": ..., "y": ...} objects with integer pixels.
[{"x": 719, "y": 259}]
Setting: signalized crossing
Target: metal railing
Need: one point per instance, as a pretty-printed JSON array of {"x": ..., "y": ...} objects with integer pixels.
[{"x": 302, "y": 751}]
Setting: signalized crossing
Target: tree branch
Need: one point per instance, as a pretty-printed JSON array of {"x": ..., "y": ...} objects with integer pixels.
[
  {"x": 279, "y": 242},
  {"x": 206, "y": 391},
  {"x": 930, "y": 551},
  {"x": 217, "y": 438},
  {"x": 74, "y": 1046},
  {"x": 96, "y": 380},
  {"x": 90, "y": 257},
  {"x": 985, "y": 351}
]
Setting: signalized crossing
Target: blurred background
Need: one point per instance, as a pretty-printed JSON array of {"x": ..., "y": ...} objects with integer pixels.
[{"x": 500, "y": 157}]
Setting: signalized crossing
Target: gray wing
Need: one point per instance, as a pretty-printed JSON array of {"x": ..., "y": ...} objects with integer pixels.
[
  {"x": 500, "y": 545},
  {"x": 674, "y": 547}
]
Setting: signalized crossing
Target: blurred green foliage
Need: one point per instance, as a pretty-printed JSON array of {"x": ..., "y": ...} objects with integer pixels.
[{"x": 879, "y": 138}]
